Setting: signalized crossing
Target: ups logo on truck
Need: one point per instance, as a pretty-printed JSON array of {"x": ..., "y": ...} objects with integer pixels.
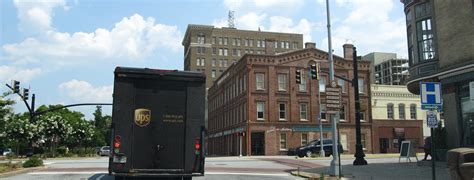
[{"x": 142, "y": 117}]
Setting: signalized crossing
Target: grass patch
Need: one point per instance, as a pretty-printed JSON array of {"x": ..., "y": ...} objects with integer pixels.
[{"x": 7, "y": 167}]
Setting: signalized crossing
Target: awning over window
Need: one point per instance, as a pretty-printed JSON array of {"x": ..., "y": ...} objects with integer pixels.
[{"x": 399, "y": 132}]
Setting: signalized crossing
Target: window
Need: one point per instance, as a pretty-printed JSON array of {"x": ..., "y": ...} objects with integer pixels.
[
  {"x": 323, "y": 112},
  {"x": 362, "y": 140},
  {"x": 341, "y": 83},
  {"x": 362, "y": 116},
  {"x": 220, "y": 62},
  {"x": 238, "y": 42},
  {"x": 282, "y": 141},
  {"x": 225, "y": 63},
  {"x": 295, "y": 45},
  {"x": 304, "y": 139},
  {"x": 201, "y": 50},
  {"x": 260, "y": 110},
  {"x": 426, "y": 49},
  {"x": 225, "y": 40},
  {"x": 260, "y": 81},
  {"x": 276, "y": 44},
  {"x": 390, "y": 111},
  {"x": 225, "y": 52},
  {"x": 322, "y": 84},
  {"x": 234, "y": 52},
  {"x": 213, "y": 40},
  {"x": 282, "y": 111},
  {"x": 200, "y": 62},
  {"x": 238, "y": 52},
  {"x": 401, "y": 111},
  {"x": 361, "y": 86},
  {"x": 413, "y": 111},
  {"x": 287, "y": 45},
  {"x": 250, "y": 42},
  {"x": 282, "y": 44},
  {"x": 200, "y": 39},
  {"x": 221, "y": 51},
  {"x": 220, "y": 40},
  {"x": 214, "y": 51},
  {"x": 213, "y": 62},
  {"x": 246, "y": 42},
  {"x": 302, "y": 86},
  {"x": 303, "y": 111},
  {"x": 263, "y": 43},
  {"x": 234, "y": 41},
  {"x": 342, "y": 115},
  {"x": 213, "y": 73},
  {"x": 281, "y": 82},
  {"x": 258, "y": 43}
]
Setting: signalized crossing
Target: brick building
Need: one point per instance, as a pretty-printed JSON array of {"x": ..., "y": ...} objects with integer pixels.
[
  {"x": 396, "y": 116},
  {"x": 258, "y": 95}
]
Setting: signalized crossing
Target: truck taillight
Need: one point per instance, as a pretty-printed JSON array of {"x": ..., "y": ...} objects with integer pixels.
[
  {"x": 117, "y": 142},
  {"x": 197, "y": 145}
]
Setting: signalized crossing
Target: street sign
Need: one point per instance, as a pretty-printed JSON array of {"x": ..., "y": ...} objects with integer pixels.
[
  {"x": 430, "y": 93},
  {"x": 333, "y": 99},
  {"x": 431, "y": 120}
]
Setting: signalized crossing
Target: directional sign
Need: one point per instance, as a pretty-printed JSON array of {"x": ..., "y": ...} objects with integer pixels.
[
  {"x": 431, "y": 120},
  {"x": 333, "y": 99},
  {"x": 430, "y": 93}
]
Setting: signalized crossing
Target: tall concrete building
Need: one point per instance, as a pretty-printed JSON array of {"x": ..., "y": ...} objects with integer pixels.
[
  {"x": 259, "y": 96},
  {"x": 211, "y": 50},
  {"x": 440, "y": 38},
  {"x": 387, "y": 69}
]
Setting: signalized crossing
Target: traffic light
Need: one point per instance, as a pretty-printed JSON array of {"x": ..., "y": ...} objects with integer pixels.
[
  {"x": 16, "y": 86},
  {"x": 298, "y": 76},
  {"x": 313, "y": 71},
  {"x": 25, "y": 93}
]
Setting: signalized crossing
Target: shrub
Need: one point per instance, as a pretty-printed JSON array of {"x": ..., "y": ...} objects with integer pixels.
[
  {"x": 33, "y": 161},
  {"x": 61, "y": 150}
]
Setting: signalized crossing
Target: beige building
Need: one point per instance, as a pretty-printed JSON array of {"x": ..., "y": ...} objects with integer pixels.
[
  {"x": 211, "y": 50},
  {"x": 397, "y": 116}
]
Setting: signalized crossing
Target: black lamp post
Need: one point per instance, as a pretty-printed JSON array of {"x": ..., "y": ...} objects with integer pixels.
[{"x": 359, "y": 155}]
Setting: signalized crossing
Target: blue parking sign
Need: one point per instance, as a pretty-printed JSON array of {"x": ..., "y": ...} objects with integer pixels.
[{"x": 430, "y": 93}]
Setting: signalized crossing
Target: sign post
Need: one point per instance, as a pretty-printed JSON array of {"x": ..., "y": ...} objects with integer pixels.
[{"x": 431, "y": 100}]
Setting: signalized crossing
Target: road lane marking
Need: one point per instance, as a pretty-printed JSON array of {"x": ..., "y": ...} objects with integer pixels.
[
  {"x": 48, "y": 163},
  {"x": 250, "y": 174},
  {"x": 100, "y": 177}
]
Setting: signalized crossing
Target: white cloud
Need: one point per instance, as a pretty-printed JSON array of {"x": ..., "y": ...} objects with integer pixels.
[
  {"x": 369, "y": 25},
  {"x": 36, "y": 16},
  {"x": 245, "y": 5},
  {"x": 251, "y": 21},
  {"x": 284, "y": 24},
  {"x": 83, "y": 91},
  {"x": 273, "y": 3},
  {"x": 8, "y": 73},
  {"x": 132, "y": 38}
]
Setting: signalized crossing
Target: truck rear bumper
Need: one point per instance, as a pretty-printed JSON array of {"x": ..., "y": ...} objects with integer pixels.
[{"x": 135, "y": 174}]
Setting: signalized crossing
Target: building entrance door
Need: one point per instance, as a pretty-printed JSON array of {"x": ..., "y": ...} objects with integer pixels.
[
  {"x": 383, "y": 145},
  {"x": 258, "y": 143}
]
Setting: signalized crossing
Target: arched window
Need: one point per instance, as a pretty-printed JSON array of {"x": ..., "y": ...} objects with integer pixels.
[
  {"x": 401, "y": 111},
  {"x": 390, "y": 111}
]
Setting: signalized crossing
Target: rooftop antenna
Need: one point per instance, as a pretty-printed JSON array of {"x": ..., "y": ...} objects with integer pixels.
[{"x": 231, "y": 19}]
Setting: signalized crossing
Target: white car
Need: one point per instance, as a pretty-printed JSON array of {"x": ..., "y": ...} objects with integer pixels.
[
  {"x": 7, "y": 151},
  {"x": 104, "y": 151}
]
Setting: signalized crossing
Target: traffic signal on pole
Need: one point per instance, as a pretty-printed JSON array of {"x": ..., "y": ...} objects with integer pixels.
[
  {"x": 25, "y": 93},
  {"x": 16, "y": 86},
  {"x": 313, "y": 71},
  {"x": 298, "y": 76}
]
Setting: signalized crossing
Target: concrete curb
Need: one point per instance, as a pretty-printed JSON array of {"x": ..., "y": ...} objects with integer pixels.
[
  {"x": 314, "y": 176},
  {"x": 21, "y": 171}
]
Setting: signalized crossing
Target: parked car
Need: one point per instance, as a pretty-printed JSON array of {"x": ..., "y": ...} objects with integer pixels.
[
  {"x": 7, "y": 151},
  {"x": 314, "y": 147},
  {"x": 104, "y": 151}
]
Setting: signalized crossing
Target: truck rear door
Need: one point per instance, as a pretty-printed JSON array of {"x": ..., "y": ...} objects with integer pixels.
[{"x": 159, "y": 127}]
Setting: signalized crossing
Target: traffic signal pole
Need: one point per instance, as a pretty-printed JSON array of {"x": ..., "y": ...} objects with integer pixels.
[
  {"x": 334, "y": 169},
  {"x": 359, "y": 155}
]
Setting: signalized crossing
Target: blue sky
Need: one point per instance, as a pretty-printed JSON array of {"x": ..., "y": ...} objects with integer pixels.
[{"x": 66, "y": 50}]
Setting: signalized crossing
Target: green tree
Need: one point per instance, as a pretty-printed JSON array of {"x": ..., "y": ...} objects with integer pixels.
[
  {"x": 6, "y": 113},
  {"x": 19, "y": 131},
  {"x": 102, "y": 130}
]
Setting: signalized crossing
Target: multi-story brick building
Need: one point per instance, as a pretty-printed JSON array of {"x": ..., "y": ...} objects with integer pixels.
[
  {"x": 211, "y": 50},
  {"x": 258, "y": 95}
]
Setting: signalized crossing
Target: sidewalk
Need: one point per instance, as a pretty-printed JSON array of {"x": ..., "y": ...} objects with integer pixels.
[{"x": 386, "y": 171}]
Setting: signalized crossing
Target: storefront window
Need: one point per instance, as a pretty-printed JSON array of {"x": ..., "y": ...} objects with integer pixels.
[{"x": 467, "y": 111}]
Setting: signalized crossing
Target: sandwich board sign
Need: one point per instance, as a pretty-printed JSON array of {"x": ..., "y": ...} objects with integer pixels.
[
  {"x": 407, "y": 151},
  {"x": 430, "y": 93}
]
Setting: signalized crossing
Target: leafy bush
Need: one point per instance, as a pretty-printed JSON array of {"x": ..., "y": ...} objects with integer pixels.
[
  {"x": 61, "y": 150},
  {"x": 11, "y": 156},
  {"x": 33, "y": 161}
]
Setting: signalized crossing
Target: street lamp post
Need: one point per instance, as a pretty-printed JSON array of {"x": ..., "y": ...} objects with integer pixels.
[{"x": 359, "y": 155}]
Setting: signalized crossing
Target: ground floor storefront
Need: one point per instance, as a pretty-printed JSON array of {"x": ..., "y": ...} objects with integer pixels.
[
  {"x": 278, "y": 139},
  {"x": 388, "y": 134}
]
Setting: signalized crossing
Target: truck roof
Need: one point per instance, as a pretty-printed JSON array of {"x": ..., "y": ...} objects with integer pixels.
[{"x": 131, "y": 72}]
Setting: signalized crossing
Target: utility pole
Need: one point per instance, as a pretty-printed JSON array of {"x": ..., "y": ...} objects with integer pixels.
[
  {"x": 359, "y": 155},
  {"x": 333, "y": 170}
]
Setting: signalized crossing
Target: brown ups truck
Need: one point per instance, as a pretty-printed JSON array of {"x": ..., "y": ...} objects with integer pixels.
[{"x": 157, "y": 124}]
